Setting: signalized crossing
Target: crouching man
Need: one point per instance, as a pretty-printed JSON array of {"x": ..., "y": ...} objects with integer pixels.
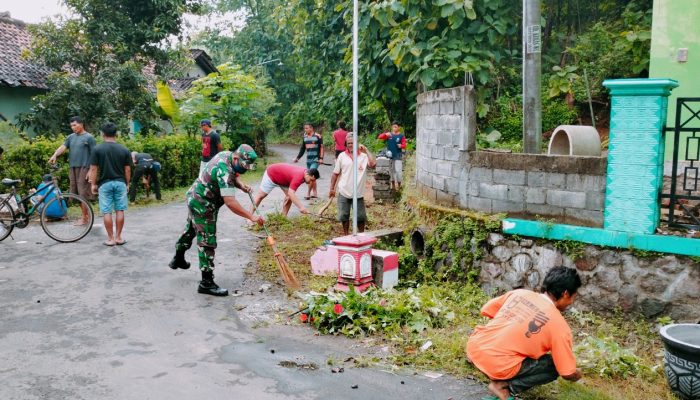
[{"x": 528, "y": 342}]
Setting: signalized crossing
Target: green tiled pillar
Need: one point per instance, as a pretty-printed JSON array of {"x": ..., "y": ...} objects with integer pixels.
[{"x": 635, "y": 153}]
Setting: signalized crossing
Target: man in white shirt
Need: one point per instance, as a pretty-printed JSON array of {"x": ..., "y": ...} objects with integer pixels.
[{"x": 342, "y": 175}]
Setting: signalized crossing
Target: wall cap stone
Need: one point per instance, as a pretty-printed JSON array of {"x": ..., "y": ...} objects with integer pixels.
[{"x": 539, "y": 162}]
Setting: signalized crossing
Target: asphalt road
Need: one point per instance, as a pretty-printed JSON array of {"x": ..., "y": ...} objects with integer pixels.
[{"x": 86, "y": 321}]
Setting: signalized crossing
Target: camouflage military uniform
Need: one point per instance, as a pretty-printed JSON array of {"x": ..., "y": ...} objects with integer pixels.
[{"x": 204, "y": 199}]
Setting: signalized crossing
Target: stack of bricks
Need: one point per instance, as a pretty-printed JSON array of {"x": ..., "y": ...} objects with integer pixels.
[{"x": 382, "y": 181}]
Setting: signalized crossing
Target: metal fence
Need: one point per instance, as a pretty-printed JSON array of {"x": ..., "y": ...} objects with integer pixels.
[{"x": 682, "y": 194}]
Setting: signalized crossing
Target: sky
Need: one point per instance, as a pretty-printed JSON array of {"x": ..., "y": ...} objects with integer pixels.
[{"x": 33, "y": 11}]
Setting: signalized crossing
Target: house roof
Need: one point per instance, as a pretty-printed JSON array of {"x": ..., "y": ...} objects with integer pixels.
[
  {"x": 14, "y": 69},
  {"x": 203, "y": 60}
]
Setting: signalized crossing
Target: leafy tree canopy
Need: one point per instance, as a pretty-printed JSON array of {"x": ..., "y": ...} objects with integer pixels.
[{"x": 103, "y": 59}]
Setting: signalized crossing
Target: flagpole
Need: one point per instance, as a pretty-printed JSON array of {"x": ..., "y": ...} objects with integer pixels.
[{"x": 355, "y": 127}]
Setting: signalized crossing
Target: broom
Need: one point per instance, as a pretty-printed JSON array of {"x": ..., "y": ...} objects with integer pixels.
[{"x": 287, "y": 274}]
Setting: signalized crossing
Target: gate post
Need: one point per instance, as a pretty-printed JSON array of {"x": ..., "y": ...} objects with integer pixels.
[{"x": 636, "y": 153}]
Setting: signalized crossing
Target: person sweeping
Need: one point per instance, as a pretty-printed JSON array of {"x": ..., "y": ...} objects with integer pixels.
[
  {"x": 528, "y": 342},
  {"x": 215, "y": 187}
]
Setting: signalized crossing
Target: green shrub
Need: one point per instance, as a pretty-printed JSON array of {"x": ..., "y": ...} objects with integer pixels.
[
  {"x": 506, "y": 116},
  {"x": 179, "y": 155}
]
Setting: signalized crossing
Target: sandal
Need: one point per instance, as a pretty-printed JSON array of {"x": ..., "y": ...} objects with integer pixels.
[{"x": 108, "y": 243}]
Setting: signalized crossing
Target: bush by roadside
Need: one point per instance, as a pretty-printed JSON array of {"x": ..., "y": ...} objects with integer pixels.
[{"x": 178, "y": 154}]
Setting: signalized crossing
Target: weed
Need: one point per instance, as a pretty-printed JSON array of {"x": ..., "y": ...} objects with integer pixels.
[
  {"x": 645, "y": 253},
  {"x": 572, "y": 248}
]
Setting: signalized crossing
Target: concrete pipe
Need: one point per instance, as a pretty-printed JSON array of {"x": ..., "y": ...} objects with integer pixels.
[
  {"x": 575, "y": 140},
  {"x": 417, "y": 241}
]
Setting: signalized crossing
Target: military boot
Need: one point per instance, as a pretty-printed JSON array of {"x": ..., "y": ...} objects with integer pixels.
[
  {"x": 208, "y": 286},
  {"x": 179, "y": 261}
]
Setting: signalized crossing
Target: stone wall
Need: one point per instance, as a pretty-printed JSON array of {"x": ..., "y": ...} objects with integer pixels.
[
  {"x": 449, "y": 170},
  {"x": 612, "y": 278}
]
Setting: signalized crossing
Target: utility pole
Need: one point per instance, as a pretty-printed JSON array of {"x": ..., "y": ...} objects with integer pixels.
[
  {"x": 355, "y": 107},
  {"x": 532, "y": 76}
]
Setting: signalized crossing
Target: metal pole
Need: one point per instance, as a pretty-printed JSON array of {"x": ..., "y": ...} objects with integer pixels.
[
  {"x": 532, "y": 70},
  {"x": 355, "y": 128}
]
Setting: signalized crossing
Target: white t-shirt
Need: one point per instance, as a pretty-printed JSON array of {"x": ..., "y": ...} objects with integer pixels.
[{"x": 343, "y": 166}]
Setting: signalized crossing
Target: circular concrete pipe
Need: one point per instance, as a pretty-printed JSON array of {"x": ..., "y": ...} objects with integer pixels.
[
  {"x": 417, "y": 241},
  {"x": 575, "y": 140}
]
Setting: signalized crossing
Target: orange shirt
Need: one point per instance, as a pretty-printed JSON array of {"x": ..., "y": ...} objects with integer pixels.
[{"x": 524, "y": 324}]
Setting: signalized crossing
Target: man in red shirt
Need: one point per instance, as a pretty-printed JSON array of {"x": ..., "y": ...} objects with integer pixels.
[
  {"x": 528, "y": 342},
  {"x": 288, "y": 178},
  {"x": 339, "y": 136}
]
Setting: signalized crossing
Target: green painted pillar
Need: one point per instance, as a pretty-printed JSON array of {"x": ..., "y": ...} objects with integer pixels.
[{"x": 635, "y": 153}]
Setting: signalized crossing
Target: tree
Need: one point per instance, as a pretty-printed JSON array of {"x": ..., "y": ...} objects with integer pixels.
[
  {"x": 237, "y": 101},
  {"x": 100, "y": 58}
]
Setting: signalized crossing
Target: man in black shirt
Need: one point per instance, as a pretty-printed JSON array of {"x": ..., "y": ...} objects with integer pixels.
[
  {"x": 114, "y": 163},
  {"x": 144, "y": 165}
]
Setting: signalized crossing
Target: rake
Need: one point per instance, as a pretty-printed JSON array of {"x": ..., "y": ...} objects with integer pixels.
[{"x": 287, "y": 274}]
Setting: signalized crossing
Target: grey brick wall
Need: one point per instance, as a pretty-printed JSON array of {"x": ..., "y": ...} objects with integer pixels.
[{"x": 451, "y": 172}]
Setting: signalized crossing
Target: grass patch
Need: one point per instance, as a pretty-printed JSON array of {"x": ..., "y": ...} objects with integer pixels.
[{"x": 167, "y": 195}]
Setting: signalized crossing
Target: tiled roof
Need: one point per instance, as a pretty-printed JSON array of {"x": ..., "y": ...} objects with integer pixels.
[
  {"x": 180, "y": 85},
  {"x": 14, "y": 69}
]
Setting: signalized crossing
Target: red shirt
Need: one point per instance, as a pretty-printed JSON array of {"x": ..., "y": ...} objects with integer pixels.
[
  {"x": 339, "y": 137},
  {"x": 286, "y": 175}
]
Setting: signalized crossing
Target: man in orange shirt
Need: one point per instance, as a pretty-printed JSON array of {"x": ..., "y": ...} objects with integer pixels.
[{"x": 527, "y": 342}]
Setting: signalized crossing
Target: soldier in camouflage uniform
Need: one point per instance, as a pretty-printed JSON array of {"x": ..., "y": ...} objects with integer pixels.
[{"x": 214, "y": 187}]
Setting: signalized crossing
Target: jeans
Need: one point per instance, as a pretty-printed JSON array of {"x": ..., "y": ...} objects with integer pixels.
[{"x": 533, "y": 373}]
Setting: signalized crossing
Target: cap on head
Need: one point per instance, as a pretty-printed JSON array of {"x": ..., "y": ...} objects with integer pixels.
[
  {"x": 247, "y": 156},
  {"x": 206, "y": 122}
]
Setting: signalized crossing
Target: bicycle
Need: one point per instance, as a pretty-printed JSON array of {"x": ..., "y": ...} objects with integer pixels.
[{"x": 61, "y": 215}]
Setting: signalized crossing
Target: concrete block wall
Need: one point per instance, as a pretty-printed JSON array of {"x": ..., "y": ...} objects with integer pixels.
[
  {"x": 445, "y": 133},
  {"x": 567, "y": 189},
  {"x": 449, "y": 170}
]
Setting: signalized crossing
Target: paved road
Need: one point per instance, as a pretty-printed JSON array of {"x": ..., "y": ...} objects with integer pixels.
[{"x": 85, "y": 321}]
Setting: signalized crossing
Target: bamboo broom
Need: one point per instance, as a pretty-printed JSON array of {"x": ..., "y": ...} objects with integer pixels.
[{"x": 287, "y": 274}]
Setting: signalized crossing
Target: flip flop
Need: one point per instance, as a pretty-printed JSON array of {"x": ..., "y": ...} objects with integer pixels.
[
  {"x": 307, "y": 198},
  {"x": 496, "y": 398},
  {"x": 108, "y": 244},
  {"x": 120, "y": 243}
]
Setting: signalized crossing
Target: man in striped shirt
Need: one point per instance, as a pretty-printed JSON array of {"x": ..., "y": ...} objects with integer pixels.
[{"x": 312, "y": 145}]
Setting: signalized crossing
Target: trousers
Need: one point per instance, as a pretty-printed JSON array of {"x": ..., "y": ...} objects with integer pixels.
[
  {"x": 533, "y": 373},
  {"x": 201, "y": 223}
]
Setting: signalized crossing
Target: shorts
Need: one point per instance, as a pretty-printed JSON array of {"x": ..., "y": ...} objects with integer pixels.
[
  {"x": 266, "y": 185},
  {"x": 78, "y": 182},
  {"x": 113, "y": 197},
  {"x": 396, "y": 171},
  {"x": 312, "y": 164},
  {"x": 344, "y": 206}
]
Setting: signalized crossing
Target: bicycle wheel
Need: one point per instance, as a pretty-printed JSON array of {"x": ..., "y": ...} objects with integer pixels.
[
  {"x": 7, "y": 219},
  {"x": 62, "y": 218}
]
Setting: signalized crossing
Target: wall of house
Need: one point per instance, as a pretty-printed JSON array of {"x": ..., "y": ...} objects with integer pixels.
[
  {"x": 450, "y": 172},
  {"x": 674, "y": 26},
  {"x": 16, "y": 100}
]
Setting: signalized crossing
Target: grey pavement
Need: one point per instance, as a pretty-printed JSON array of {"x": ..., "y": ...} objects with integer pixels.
[{"x": 86, "y": 321}]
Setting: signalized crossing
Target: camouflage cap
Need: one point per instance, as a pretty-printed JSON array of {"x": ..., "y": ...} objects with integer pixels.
[{"x": 247, "y": 156}]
